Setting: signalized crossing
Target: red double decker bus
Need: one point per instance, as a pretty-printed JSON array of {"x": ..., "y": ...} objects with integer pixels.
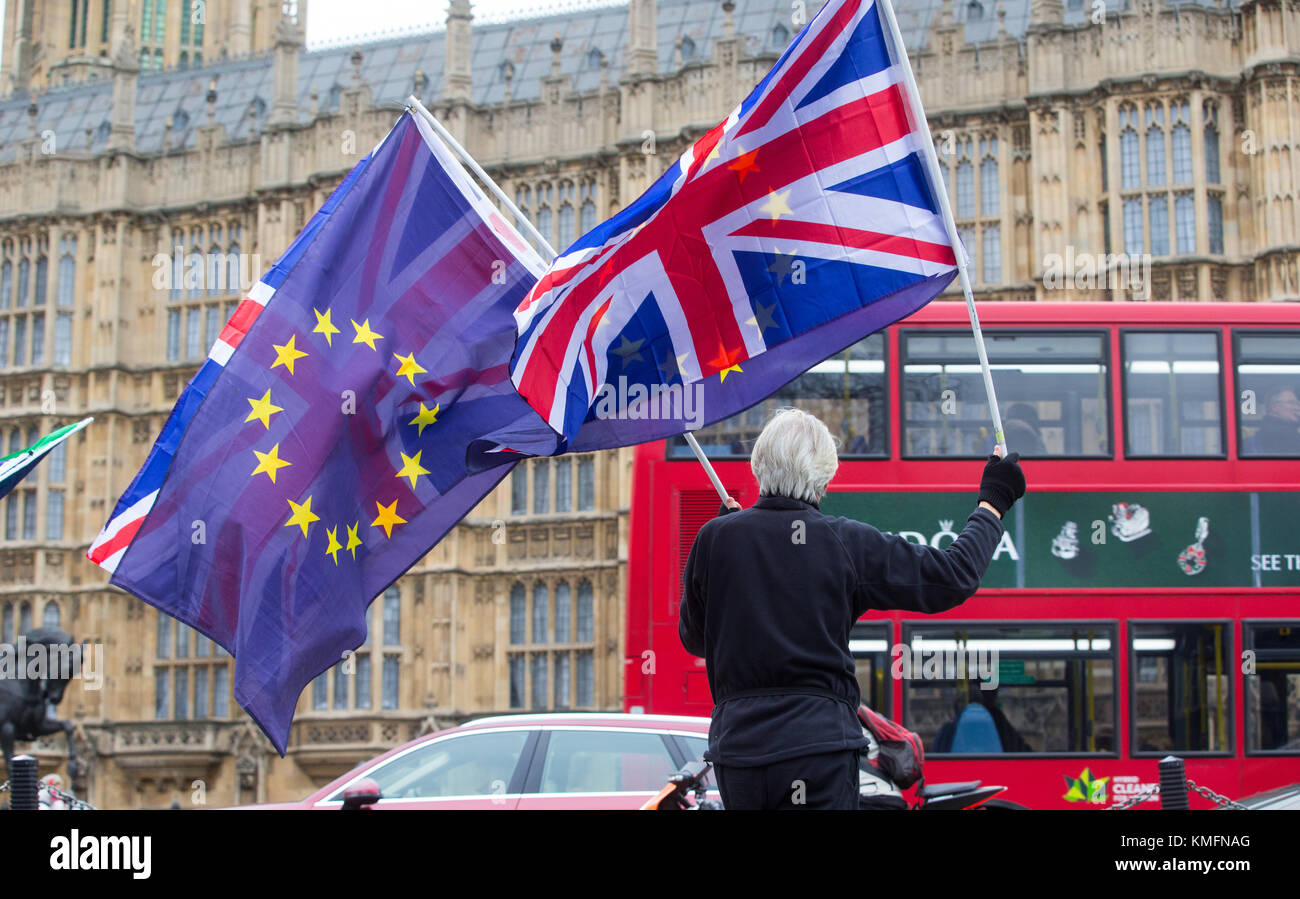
[{"x": 1145, "y": 598}]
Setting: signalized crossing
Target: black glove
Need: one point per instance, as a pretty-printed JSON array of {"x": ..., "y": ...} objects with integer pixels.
[{"x": 1003, "y": 482}]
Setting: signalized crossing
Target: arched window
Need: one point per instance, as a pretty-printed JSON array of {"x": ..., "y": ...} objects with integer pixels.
[
  {"x": 1185, "y": 222},
  {"x": 586, "y": 613},
  {"x": 1134, "y": 240},
  {"x": 780, "y": 36},
  {"x": 1182, "y": 144},
  {"x": 974, "y": 11},
  {"x": 1155, "y": 145},
  {"x": 1129, "y": 159},
  {"x": 563, "y": 484},
  {"x": 1158, "y": 216},
  {"x": 194, "y": 268},
  {"x": 587, "y": 220},
  {"x": 42, "y": 280},
  {"x": 164, "y": 636},
  {"x": 519, "y": 490},
  {"x": 541, "y": 612},
  {"x": 518, "y": 614},
  {"x": 6, "y": 284},
  {"x": 1214, "y": 209},
  {"x": 67, "y": 273},
  {"x": 539, "y": 680},
  {"x": 1211, "y": 115},
  {"x": 563, "y": 613},
  {"x": 544, "y": 222},
  {"x": 24, "y": 273},
  {"x": 24, "y": 618},
  {"x": 991, "y": 235},
  {"x": 234, "y": 269},
  {"x": 541, "y": 486},
  {"x": 586, "y": 484},
  {"x": 990, "y": 189},
  {"x": 392, "y": 617},
  {"x": 566, "y": 225},
  {"x": 965, "y": 189},
  {"x": 7, "y": 624}
]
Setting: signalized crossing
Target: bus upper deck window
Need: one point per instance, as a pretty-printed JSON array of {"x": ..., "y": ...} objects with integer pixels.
[
  {"x": 846, "y": 391},
  {"x": 1052, "y": 388},
  {"x": 1268, "y": 383},
  {"x": 1172, "y": 393}
]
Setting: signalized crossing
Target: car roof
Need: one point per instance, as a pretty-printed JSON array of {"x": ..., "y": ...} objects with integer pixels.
[{"x": 535, "y": 719}]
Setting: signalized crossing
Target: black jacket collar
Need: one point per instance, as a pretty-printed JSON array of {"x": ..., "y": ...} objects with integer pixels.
[{"x": 784, "y": 502}]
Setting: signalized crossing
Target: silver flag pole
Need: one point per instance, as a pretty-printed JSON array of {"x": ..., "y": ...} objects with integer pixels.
[{"x": 922, "y": 126}]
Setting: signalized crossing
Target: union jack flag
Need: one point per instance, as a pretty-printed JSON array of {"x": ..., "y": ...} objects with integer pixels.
[{"x": 802, "y": 223}]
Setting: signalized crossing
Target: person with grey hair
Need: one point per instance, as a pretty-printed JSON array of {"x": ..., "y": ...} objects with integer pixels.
[{"x": 769, "y": 596}]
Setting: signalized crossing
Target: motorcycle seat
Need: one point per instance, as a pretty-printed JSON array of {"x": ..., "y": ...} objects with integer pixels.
[{"x": 929, "y": 791}]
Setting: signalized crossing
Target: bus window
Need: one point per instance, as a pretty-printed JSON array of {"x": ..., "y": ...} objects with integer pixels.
[
  {"x": 1268, "y": 383},
  {"x": 1180, "y": 687},
  {"x": 1033, "y": 687},
  {"x": 1273, "y": 688},
  {"x": 846, "y": 391},
  {"x": 1052, "y": 388},
  {"x": 1172, "y": 392},
  {"x": 869, "y": 644}
]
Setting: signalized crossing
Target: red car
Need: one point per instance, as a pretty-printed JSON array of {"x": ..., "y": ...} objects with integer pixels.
[{"x": 548, "y": 761}]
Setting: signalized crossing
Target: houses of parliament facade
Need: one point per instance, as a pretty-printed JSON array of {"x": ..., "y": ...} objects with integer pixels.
[{"x": 139, "y": 130}]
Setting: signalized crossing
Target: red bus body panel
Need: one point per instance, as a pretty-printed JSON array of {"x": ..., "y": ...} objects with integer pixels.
[{"x": 673, "y": 682}]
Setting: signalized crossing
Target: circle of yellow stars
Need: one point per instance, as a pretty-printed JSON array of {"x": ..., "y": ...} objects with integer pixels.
[{"x": 263, "y": 409}]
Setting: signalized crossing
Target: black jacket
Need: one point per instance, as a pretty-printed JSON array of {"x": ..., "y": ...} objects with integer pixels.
[{"x": 771, "y": 617}]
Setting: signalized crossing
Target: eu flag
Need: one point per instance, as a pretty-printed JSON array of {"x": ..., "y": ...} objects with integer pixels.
[{"x": 330, "y": 438}]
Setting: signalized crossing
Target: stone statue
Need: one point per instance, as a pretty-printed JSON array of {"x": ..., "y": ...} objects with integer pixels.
[{"x": 27, "y": 703}]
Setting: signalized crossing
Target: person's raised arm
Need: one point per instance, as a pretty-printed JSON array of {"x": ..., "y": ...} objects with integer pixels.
[{"x": 898, "y": 574}]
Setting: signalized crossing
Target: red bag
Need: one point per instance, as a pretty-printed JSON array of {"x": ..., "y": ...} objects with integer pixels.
[{"x": 902, "y": 754}]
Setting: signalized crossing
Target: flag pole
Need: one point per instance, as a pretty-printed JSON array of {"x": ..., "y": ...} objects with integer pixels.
[
  {"x": 922, "y": 125},
  {"x": 414, "y": 103}
]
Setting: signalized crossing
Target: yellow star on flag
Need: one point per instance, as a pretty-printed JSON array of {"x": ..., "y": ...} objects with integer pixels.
[
  {"x": 302, "y": 515},
  {"x": 409, "y": 367},
  {"x": 353, "y": 540},
  {"x": 286, "y": 355},
  {"x": 425, "y": 418},
  {"x": 411, "y": 467},
  {"x": 325, "y": 326},
  {"x": 387, "y": 518},
  {"x": 333, "y": 549},
  {"x": 727, "y": 361},
  {"x": 263, "y": 409},
  {"x": 776, "y": 205},
  {"x": 269, "y": 463},
  {"x": 365, "y": 335}
]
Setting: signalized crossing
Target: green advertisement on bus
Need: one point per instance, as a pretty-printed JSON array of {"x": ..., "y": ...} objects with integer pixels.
[{"x": 1121, "y": 539}]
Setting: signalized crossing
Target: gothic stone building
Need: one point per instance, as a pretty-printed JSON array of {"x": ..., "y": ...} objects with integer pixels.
[{"x": 130, "y": 134}]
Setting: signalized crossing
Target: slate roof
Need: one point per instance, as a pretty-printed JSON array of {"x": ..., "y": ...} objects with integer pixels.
[{"x": 245, "y": 86}]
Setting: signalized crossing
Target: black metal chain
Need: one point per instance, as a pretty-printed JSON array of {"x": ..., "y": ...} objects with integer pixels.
[{"x": 1154, "y": 790}]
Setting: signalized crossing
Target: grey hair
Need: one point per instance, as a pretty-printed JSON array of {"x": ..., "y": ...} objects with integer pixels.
[{"x": 794, "y": 456}]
